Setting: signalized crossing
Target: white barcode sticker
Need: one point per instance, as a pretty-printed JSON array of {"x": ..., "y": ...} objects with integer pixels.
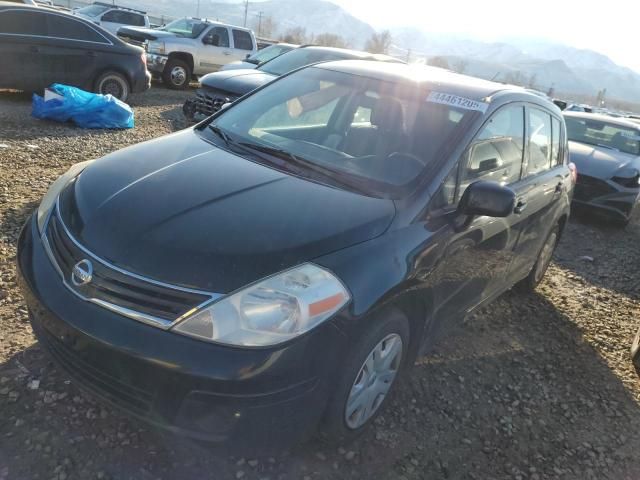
[{"x": 456, "y": 101}]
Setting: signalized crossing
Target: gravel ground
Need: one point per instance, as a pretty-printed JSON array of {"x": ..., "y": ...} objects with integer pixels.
[{"x": 538, "y": 386}]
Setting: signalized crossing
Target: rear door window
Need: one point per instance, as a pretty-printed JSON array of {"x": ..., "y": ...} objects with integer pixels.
[
  {"x": 126, "y": 18},
  {"x": 22, "y": 22},
  {"x": 539, "y": 142},
  {"x": 59, "y": 26},
  {"x": 242, "y": 40}
]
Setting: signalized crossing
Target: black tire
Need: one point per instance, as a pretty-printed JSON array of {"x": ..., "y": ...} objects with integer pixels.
[
  {"x": 176, "y": 74},
  {"x": 389, "y": 323},
  {"x": 536, "y": 275},
  {"x": 113, "y": 83}
]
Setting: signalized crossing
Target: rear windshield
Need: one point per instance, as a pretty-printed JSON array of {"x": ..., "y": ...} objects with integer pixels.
[
  {"x": 603, "y": 134},
  {"x": 374, "y": 136},
  {"x": 268, "y": 53},
  {"x": 299, "y": 58},
  {"x": 185, "y": 27},
  {"x": 92, "y": 10}
]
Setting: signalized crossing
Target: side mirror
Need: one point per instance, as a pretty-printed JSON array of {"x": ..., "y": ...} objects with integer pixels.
[
  {"x": 488, "y": 164},
  {"x": 248, "y": 55},
  {"x": 487, "y": 198}
]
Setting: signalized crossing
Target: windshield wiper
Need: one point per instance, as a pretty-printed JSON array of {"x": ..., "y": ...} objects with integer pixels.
[
  {"x": 221, "y": 133},
  {"x": 303, "y": 165}
]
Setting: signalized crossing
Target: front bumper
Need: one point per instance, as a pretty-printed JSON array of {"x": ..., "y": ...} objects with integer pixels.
[
  {"x": 607, "y": 198},
  {"x": 205, "y": 103},
  {"x": 156, "y": 62},
  {"x": 248, "y": 397},
  {"x": 142, "y": 83}
]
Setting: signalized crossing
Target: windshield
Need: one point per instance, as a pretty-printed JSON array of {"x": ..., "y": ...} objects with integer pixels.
[
  {"x": 268, "y": 53},
  {"x": 185, "y": 27},
  {"x": 92, "y": 10},
  {"x": 299, "y": 58},
  {"x": 372, "y": 135},
  {"x": 604, "y": 134}
]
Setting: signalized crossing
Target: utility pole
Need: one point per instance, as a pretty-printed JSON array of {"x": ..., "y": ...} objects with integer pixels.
[
  {"x": 246, "y": 8},
  {"x": 198, "y": 10},
  {"x": 260, "y": 23},
  {"x": 408, "y": 55}
]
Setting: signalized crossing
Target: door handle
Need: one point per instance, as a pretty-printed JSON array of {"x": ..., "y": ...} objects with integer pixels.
[
  {"x": 559, "y": 188},
  {"x": 520, "y": 207}
]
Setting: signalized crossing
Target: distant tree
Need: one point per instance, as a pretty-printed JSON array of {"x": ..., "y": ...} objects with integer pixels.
[
  {"x": 295, "y": 35},
  {"x": 531, "y": 83},
  {"x": 329, "y": 40},
  {"x": 438, "y": 62},
  {"x": 266, "y": 27},
  {"x": 460, "y": 65},
  {"x": 379, "y": 42},
  {"x": 517, "y": 78}
]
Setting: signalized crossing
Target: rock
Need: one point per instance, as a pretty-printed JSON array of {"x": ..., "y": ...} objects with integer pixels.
[{"x": 350, "y": 455}]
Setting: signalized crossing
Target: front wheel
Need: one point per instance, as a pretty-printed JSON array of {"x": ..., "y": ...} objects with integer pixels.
[
  {"x": 367, "y": 377},
  {"x": 114, "y": 84},
  {"x": 536, "y": 274},
  {"x": 176, "y": 74}
]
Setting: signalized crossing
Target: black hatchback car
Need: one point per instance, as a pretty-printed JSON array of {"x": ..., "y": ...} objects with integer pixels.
[
  {"x": 41, "y": 46},
  {"x": 273, "y": 270}
]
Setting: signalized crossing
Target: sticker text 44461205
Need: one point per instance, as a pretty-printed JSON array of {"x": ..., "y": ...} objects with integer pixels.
[{"x": 456, "y": 101}]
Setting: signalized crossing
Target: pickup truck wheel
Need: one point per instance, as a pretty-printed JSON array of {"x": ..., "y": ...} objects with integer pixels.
[
  {"x": 114, "y": 84},
  {"x": 176, "y": 74}
]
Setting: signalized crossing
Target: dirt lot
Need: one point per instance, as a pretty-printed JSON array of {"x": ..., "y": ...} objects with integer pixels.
[{"x": 534, "y": 387}]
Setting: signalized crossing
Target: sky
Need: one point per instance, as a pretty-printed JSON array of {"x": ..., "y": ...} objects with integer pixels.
[{"x": 610, "y": 27}]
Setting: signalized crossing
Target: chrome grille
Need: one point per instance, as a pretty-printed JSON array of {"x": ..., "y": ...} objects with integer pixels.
[
  {"x": 126, "y": 293},
  {"x": 208, "y": 104}
]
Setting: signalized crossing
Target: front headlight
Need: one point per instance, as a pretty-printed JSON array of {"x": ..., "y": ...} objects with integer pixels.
[
  {"x": 49, "y": 200},
  {"x": 156, "y": 47},
  {"x": 271, "y": 311}
]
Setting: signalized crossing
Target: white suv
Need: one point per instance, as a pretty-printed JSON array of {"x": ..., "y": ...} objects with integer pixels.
[{"x": 112, "y": 17}]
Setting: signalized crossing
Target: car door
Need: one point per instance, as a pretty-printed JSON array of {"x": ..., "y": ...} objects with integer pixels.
[
  {"x": 22, "y": 37},
  {"x": 478, "y": 251},
  {"x": 216, "y": 49},
  {"x": 72, "y": 50},
  {"x": 541, "y": 187},
  {"x": 242, "y": 44}
]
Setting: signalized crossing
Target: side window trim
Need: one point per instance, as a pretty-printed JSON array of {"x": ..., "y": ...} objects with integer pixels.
[{"x": 106, "y": 42}]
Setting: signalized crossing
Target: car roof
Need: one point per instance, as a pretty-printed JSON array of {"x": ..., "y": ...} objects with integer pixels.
[
  {"x": 355, "y": 54},
  {"x": 436, "y": 78},
  {"x": 216, "y": 22},
  {"x": 619, "y": 121}
]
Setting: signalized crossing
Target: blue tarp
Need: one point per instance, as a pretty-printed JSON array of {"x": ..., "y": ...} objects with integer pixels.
[{"x": 85, "y": 109}]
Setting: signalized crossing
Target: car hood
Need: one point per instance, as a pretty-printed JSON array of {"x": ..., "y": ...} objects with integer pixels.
[
  {"x": 237, "y": 82},
  {"x": 182, "y": 211},
  {"x": 142, "y": 34},
  {"x": 239, "y": 65},
  {"x": 601, "y": 162}
]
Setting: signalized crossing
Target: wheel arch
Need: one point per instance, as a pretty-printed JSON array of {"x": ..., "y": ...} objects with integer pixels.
[{"x": 184, "y": 57}]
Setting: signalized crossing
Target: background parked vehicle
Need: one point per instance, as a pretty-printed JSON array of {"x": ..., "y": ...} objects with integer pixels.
[
  {"x": 190, "y": 47},
  {"x": 360, "y": 211},
  {"x": 111, "y": 17},
  {"x": 219, "y": 88},
  {"x": 261, "y": 56},
  {"x": 606, "y": 151},
  {"x": 39, "y": 46}
]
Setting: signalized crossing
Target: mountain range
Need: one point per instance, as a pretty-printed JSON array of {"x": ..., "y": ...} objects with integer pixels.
[{"x": 536, "y": 63}]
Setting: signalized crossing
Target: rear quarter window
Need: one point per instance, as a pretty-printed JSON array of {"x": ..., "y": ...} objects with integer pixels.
[{"x": 59, "y": 26}]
